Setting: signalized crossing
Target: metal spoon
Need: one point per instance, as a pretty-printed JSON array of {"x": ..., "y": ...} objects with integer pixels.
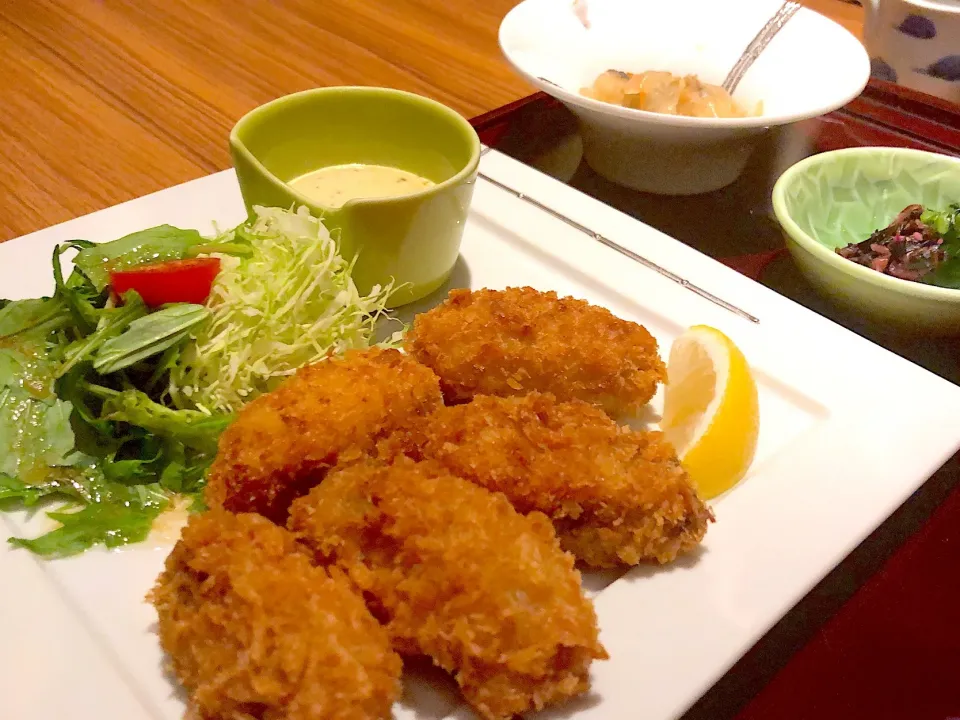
[{"x": 759, "y": 43}]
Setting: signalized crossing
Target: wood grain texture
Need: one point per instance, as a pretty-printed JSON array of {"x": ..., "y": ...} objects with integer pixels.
[{"x": 106, "y": 101}]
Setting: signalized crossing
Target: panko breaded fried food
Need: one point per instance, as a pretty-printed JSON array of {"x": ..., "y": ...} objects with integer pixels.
[
  {"x": 514, "y": 341},
  {"x": 282, "y": 443},
  {"x": 255, "y": 631},
  {"x": 616, "y": 496},
  {"x": 455, "y": 573}
]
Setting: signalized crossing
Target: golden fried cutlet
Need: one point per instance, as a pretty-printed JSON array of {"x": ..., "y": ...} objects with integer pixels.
[
  {"x": 456, "y": 574},
  {"x": 615, "y": 496},
  {"x": 283, "y": 442},
  {"x": 254, "y": 630},
  {"x": 514, "y": 341}
]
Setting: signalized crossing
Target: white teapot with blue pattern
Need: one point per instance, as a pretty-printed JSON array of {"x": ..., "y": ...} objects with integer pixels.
[{"x": 915, "y": 43}]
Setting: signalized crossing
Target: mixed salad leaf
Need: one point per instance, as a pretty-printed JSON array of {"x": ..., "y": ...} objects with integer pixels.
[
  {"x": 158, "y": 244},
  {"x": 112, "y": 407}
]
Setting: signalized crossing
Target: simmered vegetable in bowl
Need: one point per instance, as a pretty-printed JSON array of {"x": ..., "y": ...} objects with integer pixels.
[{"x": 666, "y": 93}]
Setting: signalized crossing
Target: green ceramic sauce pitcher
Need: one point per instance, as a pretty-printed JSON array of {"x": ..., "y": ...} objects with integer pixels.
[{"x": 414, "y": 239}]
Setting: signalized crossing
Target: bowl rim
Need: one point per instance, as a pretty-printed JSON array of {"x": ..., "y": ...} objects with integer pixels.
[
  {"x": 461, "y": 176},
  {"x": 865, "y": 274},
  {"x": 937, "y": 6},
  {"x": 570, "y": 97}
]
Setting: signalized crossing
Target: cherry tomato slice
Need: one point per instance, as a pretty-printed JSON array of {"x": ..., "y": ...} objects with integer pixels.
[{"x": 172, "y": 281}]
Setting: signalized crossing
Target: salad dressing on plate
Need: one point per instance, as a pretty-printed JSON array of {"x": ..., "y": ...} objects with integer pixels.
[{"x": 335, "y": 185}]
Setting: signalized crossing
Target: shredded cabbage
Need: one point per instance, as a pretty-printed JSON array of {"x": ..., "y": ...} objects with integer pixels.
[{"x": 289, "y": 303}]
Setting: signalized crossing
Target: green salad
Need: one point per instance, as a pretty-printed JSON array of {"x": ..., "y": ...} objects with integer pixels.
[{"x": 114, "y": 390}]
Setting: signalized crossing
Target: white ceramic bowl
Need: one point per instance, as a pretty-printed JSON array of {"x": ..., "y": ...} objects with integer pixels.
[{"x": 813, "y": 66}]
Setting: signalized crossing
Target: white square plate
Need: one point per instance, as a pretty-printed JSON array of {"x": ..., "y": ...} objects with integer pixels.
[{"x": 77, "y": 638}]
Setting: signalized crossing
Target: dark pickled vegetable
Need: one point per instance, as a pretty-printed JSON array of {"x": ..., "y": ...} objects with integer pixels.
[{"x": 913, "y": 247}]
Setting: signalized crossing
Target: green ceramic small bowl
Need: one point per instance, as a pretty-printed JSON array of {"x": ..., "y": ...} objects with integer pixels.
[
  {"x": 835, "y": 198},
  {"x": 413, "y": 240}
]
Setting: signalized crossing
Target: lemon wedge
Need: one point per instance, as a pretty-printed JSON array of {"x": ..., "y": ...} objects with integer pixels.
[{"x": 711, "y": 414}]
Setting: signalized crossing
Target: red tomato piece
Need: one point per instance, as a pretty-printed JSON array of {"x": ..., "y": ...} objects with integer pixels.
[{"x": 172, "y": 281}]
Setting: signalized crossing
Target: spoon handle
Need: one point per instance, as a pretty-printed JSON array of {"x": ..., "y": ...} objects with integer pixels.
[{"x": 759, "y": 43}]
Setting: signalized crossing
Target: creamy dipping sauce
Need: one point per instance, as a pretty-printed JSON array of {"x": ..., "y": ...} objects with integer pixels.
[{"x": 335, "y": 185}]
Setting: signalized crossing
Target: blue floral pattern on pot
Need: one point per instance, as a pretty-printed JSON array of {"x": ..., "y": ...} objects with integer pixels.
[
  {"x": 882, "y": 71},
  {"x": 919, "y": 27},
  {"x": 946, "y": 68},
  {"x": 915, "y": 43}
]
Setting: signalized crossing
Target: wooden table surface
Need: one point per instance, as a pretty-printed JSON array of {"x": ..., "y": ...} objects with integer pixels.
[{"x": 106, "y": 101}]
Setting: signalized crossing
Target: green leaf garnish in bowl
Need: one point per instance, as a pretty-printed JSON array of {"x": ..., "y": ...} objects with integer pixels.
[{"x": 833, "y": 199}]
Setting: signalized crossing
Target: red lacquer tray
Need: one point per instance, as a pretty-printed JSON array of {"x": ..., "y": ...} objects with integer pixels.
[{"x": 880, "y": 636}]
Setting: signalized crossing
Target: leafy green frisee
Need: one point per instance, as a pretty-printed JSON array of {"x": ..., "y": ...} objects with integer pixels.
[
  {"x": 38, "y": 454},
  {"x": 95, "y": 512},
  {"x": 74, "y": 429}
]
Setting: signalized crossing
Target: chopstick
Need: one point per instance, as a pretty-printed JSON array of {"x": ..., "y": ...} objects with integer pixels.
[{"x": 649, "y": 264}]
